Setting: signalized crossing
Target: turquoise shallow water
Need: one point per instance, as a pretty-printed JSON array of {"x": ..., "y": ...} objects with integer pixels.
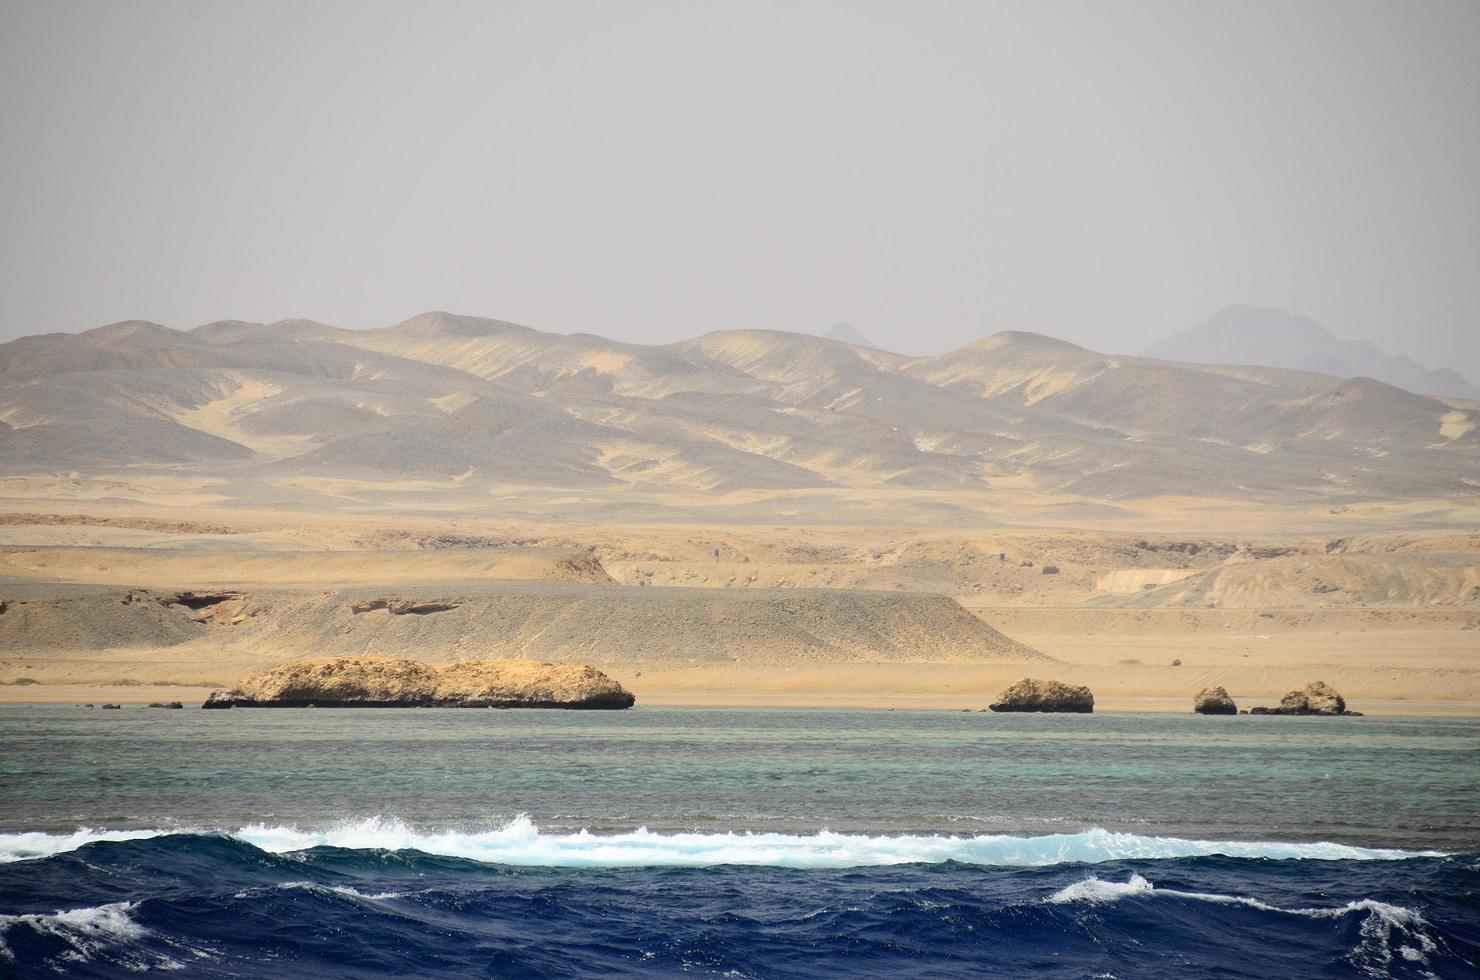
[{"x": 1377, "y": 782}]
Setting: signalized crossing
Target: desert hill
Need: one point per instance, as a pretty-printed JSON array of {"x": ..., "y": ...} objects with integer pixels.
[{"x": 465, "y": 404}]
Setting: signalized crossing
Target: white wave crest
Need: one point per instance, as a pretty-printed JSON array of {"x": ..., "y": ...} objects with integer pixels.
[
  {"x": 1384, "y": 925},
  {"x": 1095, "y": 891},
  {"x": 520, "y": 842}
]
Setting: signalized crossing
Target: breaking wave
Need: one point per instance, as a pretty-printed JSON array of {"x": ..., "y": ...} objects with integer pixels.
[
  {"x": 521, "y": 843},
  {"x": 1386, "y": 930},
  {"x": 26, "y": 846},
  {"x": 84, "y": 929}
]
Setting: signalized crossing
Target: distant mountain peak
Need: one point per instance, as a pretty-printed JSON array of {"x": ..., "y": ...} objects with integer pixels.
[
  {"x": 1271, "y": 337},
  {"x": 845, "y": 333}
]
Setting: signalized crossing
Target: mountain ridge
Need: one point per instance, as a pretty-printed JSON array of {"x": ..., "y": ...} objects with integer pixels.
[{"x": 467, "y": 402}]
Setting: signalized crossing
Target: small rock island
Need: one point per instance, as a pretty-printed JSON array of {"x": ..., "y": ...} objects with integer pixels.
[
  {"x": 1214, "y": 701},
  {"x": 1316, "y": 698},
  {"x": 384, "y": 682},
  {"x": 1031, "y": 694}
]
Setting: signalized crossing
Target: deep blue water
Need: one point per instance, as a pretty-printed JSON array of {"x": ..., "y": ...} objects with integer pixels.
[
  {"x": 223, "y": 908},
  {"x": 741, "y": 843}
]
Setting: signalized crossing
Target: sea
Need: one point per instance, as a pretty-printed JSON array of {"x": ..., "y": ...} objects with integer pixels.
[{"x": 735, "y": 843}]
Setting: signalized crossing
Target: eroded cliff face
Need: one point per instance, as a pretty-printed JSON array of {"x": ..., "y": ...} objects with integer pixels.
[{"x": 387, "y": 682}]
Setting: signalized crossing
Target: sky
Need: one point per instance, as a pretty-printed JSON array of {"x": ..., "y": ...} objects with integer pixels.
[{"x": 930, "y": 172}]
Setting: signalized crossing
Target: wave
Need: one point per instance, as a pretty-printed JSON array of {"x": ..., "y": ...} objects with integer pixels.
[
  {"x": 91, "y": 934},
  {"x": 84, "y": 931},
  {"x": 521, "y": 843},
  {"x": 1385, "y": 930},
  {"x": 313, "y": 886},
  {"x": 1096, "y": 892},
  {"x": 26, "y": 846},
  {"x": 217, "y": 906}
]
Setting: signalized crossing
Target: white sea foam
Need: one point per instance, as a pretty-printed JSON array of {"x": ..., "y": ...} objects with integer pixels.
[
  {"x": 85, "y": 930},
  {"x": 1095, "y": 891},
  {"x": 520, "y": 842},
  {"x": 23, "y": 847}
]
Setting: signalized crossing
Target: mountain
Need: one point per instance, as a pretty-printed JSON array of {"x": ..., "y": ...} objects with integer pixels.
[
  {"x": 1274, "y": 338},
  {"x": 444, "y": 404},
  {"x": 847, "y": 334}
]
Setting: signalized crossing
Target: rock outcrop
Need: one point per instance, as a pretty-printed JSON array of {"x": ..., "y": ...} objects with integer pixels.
[
  {"x": 1214, "y": 701},
  {"x": 404, "y": 607},
  {"x": 1316, "y": 698},
  {"x": 380, "y": 682},
  {"x": 1030, "y": 694}
]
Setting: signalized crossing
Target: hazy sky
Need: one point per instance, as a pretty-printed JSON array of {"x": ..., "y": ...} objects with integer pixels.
[{"x": 929, "y": 171}]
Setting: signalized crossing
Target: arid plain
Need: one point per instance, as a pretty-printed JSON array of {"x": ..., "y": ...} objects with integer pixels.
[{"x": 748, "y": 518}]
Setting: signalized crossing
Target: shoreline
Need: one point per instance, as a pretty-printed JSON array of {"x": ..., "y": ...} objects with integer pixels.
[{"x": 809, "y": 700}]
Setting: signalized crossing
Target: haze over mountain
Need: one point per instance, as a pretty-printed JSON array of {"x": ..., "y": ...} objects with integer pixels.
[
  {"x": 464, "y": 403},
  {"x": 848, "y": 334},
  {"x": 1274, "y": 338}
]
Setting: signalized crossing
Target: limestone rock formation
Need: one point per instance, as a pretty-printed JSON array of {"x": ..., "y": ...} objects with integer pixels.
[
  {"x": 380, "y": 682},
  {"x": 1030, "y": 694},
  {"x": 1214, "y": 701},
  {"x": 1316, "y": 698}
]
